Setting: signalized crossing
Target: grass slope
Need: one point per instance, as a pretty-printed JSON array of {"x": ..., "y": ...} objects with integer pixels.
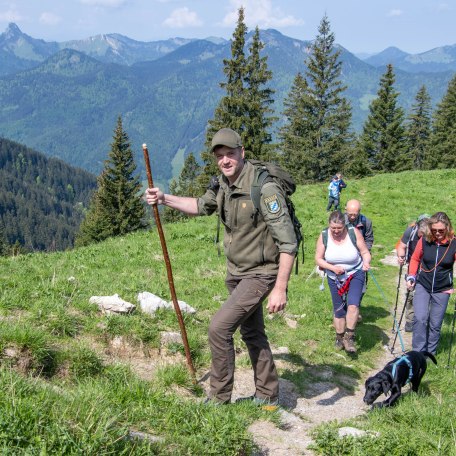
[{"x": 66, "y": 390}]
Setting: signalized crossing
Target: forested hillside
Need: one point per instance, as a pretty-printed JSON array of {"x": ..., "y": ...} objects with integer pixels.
[
  {"x": 42, "y": 200},
  {"x": 165, "y": 102}
]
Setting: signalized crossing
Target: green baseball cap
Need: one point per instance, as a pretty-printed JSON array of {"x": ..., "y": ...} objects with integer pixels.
[{"x": 226, "y": 137}]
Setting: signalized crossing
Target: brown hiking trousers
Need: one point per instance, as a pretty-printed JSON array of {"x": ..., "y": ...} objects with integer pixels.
[{"x": 244, "y": 308}]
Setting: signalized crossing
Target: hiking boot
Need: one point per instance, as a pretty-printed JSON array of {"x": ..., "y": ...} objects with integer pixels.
[
  {"x": 349, "y": 342},
  {"x": 258, "y": 400},
  {"x": 408, "y": 327},
  {"x": 339, "y": 344}
]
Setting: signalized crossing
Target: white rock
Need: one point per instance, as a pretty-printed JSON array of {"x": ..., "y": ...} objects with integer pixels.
[
  {"x": 184, "y": 307},
  {"x": 353, "y": 432},
  {"x": 112, "y": 304},
  {"x": 150, "y": 303}
]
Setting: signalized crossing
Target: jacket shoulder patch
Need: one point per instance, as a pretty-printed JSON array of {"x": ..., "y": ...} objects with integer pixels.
[{"x": 272, "y": 204}]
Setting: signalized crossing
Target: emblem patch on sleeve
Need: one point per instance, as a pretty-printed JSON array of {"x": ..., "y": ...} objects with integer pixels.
[{"x": 272, "y": 204}]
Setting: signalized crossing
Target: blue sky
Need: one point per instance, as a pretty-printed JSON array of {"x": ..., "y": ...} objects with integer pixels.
[{"x": 359, "y": 25}]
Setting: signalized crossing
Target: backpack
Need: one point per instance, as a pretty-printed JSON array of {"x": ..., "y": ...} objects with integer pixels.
[
  {"x": 361, "y": 225},
  {"x": 411, "y": 243},
  {"x": 267, "y": 172},
  {"x": 351, "y": 234}
]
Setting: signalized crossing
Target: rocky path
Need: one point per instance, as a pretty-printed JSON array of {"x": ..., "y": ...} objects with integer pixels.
[{"x": 321, "y": 402}]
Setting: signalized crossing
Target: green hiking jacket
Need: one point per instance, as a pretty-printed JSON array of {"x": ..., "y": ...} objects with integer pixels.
[{"x": 252, "y": 241}]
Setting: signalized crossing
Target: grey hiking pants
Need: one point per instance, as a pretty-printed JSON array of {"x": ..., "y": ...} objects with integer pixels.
[
  {"x": 332, "y": 200},
  {"x": 430, "y": 310},
  {"x": 244, "y": 308}
]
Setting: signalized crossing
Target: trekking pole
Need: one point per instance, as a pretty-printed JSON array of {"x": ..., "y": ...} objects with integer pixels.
[
  {"x": 387, "y": 303},
  {"x": 451, "y": 338},
  {"x": 168, "y": 268},
  {"x": 400, "y": 321},
  {"x": 397, "y": 294}
]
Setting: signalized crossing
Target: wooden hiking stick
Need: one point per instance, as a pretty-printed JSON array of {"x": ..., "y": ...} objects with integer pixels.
[{"x": 168, "y": 268}]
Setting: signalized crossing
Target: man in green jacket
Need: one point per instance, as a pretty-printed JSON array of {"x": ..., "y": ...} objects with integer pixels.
[{"x": 260, "y": 249}]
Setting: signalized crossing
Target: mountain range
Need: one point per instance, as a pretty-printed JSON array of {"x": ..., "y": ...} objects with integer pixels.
[{"x": 64, "y": 98}]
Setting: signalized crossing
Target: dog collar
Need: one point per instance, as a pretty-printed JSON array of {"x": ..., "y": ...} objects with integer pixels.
[{"x": 409, "y": 364}]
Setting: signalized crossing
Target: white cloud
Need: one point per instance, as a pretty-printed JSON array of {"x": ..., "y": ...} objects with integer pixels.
[
  {"x": 11, "y": 16},
  {"x": 395, "y": 12},
  {"x": 105, "y": 3},
  {"x": 443, "y": 7},
  {"x": 261, "y": 13},
  {"x": 49, "y": 18},
  {"x": 182, "y": 17}
]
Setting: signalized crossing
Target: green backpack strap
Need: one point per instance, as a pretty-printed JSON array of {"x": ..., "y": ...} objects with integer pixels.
[
  {"x": 260, "y": 176},
  {"x": 324, "y": 235},
  {"x": 351, "y": 234}
]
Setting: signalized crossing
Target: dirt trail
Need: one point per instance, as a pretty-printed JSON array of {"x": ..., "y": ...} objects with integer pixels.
[{"x": 322, "y": 401}]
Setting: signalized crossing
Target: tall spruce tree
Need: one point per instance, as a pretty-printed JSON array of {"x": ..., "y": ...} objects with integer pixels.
[
  {"x": 418, "y": 130},
  {"x": 259, "y": 100},
  {"x": 116, "y": 207},
  {"x": 327, "y": 113},
  {"x": 231, "y": 110},
  {"x": 442, "y": 152},
  {"x": 383, "y": 138},
  {"x": 295, "y": 134},
  {"x": 245, "y": 107}
]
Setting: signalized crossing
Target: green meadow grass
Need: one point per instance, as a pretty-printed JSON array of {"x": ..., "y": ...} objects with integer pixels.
[{"x": 63, "y": 394}]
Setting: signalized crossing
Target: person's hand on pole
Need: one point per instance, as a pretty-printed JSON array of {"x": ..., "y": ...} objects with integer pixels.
[
  {"x": 338, "y": 270},
  {"x": 154, "y": 196},
  {"x": 401, "y": 259},
  {"x": 410, "y": 281}
]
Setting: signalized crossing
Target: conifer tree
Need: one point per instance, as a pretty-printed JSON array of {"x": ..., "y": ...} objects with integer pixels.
[
  {"x": 295, "y": 133},
  {"x": 116, "y": 207},
  {"x": 443, "y": 138},
  {"x": 3, "y": 242},
  {"x": 418, "y": 129},
  {"x": 327, "y": 113},
  {"x": 245, "y": 107},
  {"x": 383, "y": 137},
  {"x": 185, "y": 185},
  {"x": 259, "y": 100},
  {"x": 231, "y": 110}
]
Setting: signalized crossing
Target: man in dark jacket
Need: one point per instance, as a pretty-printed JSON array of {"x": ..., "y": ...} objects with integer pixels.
[
  {"x": 260, "y": 251},
  {"x": 354, "y": 218}
]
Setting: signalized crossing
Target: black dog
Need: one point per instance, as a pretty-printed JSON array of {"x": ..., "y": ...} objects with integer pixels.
[{"x": 396, "y": 374}]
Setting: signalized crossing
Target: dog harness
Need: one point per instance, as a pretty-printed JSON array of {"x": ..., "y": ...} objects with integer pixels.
[{"x": 409, "y": 364}]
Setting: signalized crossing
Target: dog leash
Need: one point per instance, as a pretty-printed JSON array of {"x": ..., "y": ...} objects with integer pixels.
[
  {"x": 409, "y": 364},
  {"x": 398, "y": 331}
]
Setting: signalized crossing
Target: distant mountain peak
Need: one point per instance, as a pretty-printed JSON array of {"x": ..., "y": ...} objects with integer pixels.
[
  {"x": 12, "y": 30},
  {"x": 393, "y": 51}
]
